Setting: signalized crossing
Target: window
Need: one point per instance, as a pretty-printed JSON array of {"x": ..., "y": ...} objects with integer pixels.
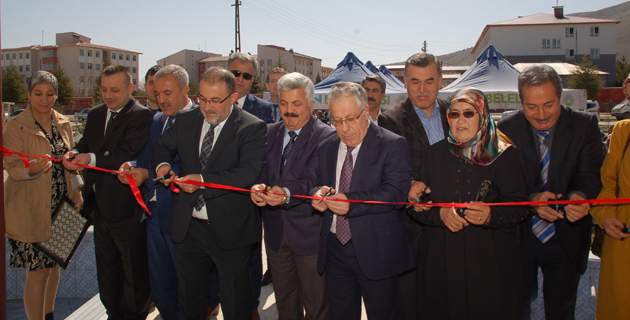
[
  {"x": 28, "y": 55},
  {"x": 570, "y": 54},
  {"x": 98, "y": 66},
  {"x": 594, "y": 53},
  {"x": 134, "y": 58},
  {"x": 13, "y": 55},
  {"x": 262, "y": 62},
  {"x": 89, "y": 53},
  {"x": 127, "y": 57},
  {"x": 594, "y": 31},
  {"x": 134, "y": 81},
  {"x": 49, "y": 66},
  {"x": 21, "y": 66},
  {"x": 89, "y": 66},
  {"x": 120, "y": 56},
  {"x": 8, "y": 56},
  {"x": 270, "y": 62},
  {"x": 556, "y": 44},
  {"x": 81, "y": 52},
  {"x": 21, "y": 55},
  {"x": 546, "y": 43},
  {"x": 114, "y": 55},
  {"x": 97, "y": 54},
  {"x": 133, "y": 70},
  {"x": 81, "y": 65},
  {"x": 569, "y": 32},
  {"x": 28, "y": 67},
  {"x": 50, "y": 53}
]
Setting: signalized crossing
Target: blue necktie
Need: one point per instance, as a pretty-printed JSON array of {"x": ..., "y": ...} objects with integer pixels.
[
  {"x": 287, "y": 149},
  {"x": 169, "y": 122},
  {"x": 542, "y": 229}
]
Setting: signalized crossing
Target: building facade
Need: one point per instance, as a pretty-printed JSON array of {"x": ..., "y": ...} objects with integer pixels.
[
  {"x": 81, "y": 60},
  {"x": 270, "y": 56},
  {"x": 554, "y": 38},
  {"x": 189, "y": 60}
]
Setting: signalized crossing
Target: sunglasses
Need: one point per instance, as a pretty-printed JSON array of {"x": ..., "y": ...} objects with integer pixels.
[
  {"x": 467, "y": 114},
  {"x": 246, "y": 76}
]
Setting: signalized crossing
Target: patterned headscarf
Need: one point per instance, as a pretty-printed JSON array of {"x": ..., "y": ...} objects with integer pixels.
[{"x": 489, "y": 142}]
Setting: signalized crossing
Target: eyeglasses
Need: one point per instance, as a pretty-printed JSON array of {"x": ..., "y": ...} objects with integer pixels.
[
  {"x": 214, "y": 101},
  {"x": 351, "y": 121},
  {"x": 467, "y": 114},
  {"x": 246, "y": 75}
]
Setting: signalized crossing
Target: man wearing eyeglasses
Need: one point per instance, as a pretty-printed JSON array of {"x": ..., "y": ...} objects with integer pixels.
[
  {"x": 363, "y": 247},
  {"x": 216, "y": 143},
  {"x": 170, "y": 89},
  {"x": 244, "y": 67},
  {"x": 421, "y": 119}
]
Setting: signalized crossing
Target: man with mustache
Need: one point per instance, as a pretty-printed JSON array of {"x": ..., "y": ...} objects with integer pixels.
[
  {"x": 421, "y": 119},
  {"x": 375, "y": 87},
  {"x": 561, "y": 154},
  {"x": 291, "y": 229},
  {"x": 170, "y": 90},
  {"x": 149, "y": 79}
]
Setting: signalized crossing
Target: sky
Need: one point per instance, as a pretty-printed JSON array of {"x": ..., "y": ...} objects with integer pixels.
[{"x": 380, "y": 31}]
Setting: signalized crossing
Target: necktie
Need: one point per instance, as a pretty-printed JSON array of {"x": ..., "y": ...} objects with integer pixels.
[
  {"x": 169, "y": 123},
  {"x": 343, "y": 225},
  {"x": 112, "y": 116},
  {"x": 204, "y": 155},
  {"x": 542, "y": 229},
  {"x": 287, "y": 149}
]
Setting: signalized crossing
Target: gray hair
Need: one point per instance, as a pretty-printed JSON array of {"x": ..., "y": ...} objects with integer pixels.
[
  {"x": 178, "y": 72},
  {"x": 349, "y": 89},
  {"x": 423, "y": 60},
  {"x": 296, "y": 80},
  {"x": 375, "y": 78},
  {"x": 43, "y": 77},
  {"x": 218, "y": 74},
  {"x": 244, "y": 57},
  {"x": 537, "y": 75}
]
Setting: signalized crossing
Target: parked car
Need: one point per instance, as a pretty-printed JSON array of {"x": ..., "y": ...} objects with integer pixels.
[
  {"x": 13, "y": 114},
  {"x": 82, "y": 115},
  {"x": 507, "y": 113},
  {"x": 621, "y": 111},
  {"x": 593, "y": 107}
]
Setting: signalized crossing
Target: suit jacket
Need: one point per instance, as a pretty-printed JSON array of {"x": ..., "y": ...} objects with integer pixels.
[
  {"x": 237, "y": 159},
  {"x": 382, "y": 172},
  {"x": 403, "y": 120},
  {"x": 576, "y": 157},
  {"x": 260, "y": 108},
  {"x": 297, "y": 218},
  {"x": 160, "y": 209},
  {"x": 125, "y": 137}
]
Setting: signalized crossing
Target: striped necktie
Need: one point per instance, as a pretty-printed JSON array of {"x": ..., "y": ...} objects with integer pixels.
[
  {"x": 204, "y": 155},
  {"x": 287, "y": 150},
  {"x": 343, "y": 225},
  {"x": 542, "y": 229}
]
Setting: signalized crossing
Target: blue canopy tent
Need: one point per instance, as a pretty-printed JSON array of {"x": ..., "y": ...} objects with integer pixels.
[
  {"x": 391, "y": 85},
  {"x": 387, "y": 73}
]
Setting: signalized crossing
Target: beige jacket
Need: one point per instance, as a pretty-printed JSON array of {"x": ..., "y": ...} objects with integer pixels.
[{"x": 28, "y": 199}]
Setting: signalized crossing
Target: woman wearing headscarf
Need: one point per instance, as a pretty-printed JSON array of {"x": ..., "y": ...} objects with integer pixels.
[
  {"x": 32, "y": 193},
  {"x": 614, "y": 278},
  {"x": 469, "y": 260}
]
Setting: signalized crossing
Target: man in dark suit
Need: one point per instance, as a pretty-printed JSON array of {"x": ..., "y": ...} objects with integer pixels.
[
  {"x": 115, "y": 132},
  {"x": 244, "y": 66},
  {"x": 272, "y": 87},
  {"x": 363, "y": 247},
  {"x": 561, "y": 154},
  {"x": 149, "y": 79},
  {"x": 216, "y": 143},
  {"x": 421, "y": 119},
  {"x": 171, "y": 93},
  {"x": 291, "y": 228}
]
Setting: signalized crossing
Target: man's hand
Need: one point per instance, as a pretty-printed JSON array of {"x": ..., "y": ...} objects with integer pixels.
[
  {"x": 417, "y": 188},
  {"x": 78, "y": 200},
  {"x": 544, "y": 211},
  {"x": 320, "y": 205},
  {"x": 166, "y": 172},
  {"x": 188, "y": 188},
  {"x": 257, "y": 199},
  {"x": 612, "y": 226},
  {"x": 452, "y": 220},
  {"x": 82, "y": 158},
  {"x": 276, "y": 198},
  {"x": 139, "y": 174},
  {"x": 576, "y": 212},
  {"x": 477, "y": 214},
  {"x": 338, "y": 207}
]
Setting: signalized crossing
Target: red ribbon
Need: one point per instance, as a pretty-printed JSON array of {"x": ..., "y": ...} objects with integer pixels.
[{"x": 138, "y": 196}]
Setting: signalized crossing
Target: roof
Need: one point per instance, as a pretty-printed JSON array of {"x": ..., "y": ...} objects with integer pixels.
[
  {"x": 220, "y": 59},
  {"x": 78, "y": 44},
  {"x": 562, "y": 68},
  {"x": 538, "y": 20},
  {"x": 305, "y": 56},
  {"x": 299, "y": 55}
]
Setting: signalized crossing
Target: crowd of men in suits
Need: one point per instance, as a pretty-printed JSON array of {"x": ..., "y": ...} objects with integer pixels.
[{"x": 203, "y": 245}]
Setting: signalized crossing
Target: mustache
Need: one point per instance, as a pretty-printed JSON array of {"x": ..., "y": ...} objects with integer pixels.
[
  {"x": 291, "y": 114},
  {"x": 420, "y": 95},
  {"x": 165, "y": 104},
  {"x": 544, "y": 119},
  {"x": 372, "y": 99}
]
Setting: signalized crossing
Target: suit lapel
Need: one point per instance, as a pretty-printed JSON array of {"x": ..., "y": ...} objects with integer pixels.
[
  {"x": 561, "y": 138},
  {"x": 114, "y": 122},
  {"x": 369, "y": 149},
  {"x": 529, "y": 148},
  {"x": 275, "y": 154},
  {"x": 229, "y": 130},
  {"x": 333, "y": 153},
  {"x": 415, "y": 124}
]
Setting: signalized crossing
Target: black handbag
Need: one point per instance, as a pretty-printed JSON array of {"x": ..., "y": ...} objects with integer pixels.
[{"x": 600, "y": 234}]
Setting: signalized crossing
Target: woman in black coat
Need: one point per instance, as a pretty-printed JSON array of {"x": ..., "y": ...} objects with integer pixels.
[{"x": 469, "y": 260}]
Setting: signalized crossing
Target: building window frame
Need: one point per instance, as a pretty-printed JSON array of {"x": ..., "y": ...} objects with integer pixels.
[
  {"x": 569, "y": 32},
  {"x": 113, "y": 55},
  {"x": 594, "y": 31},
  {"x": 81, "y": 52},
  {"x": 81, "y": 65},
  {"x": 594, "y": 53},
  {"x": 569, "y": 54}
]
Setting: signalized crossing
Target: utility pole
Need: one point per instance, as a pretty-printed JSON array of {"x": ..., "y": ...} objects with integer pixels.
[
  {"x": 237, "y": 45},
  {"x": 424, "y": 46}
]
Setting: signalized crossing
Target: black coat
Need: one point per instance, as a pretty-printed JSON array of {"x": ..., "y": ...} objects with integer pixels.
[{"x": 473, "y": 273}]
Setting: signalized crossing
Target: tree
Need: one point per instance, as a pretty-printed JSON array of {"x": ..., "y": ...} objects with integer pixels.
[
  {"x": 318, "y": 79},
  {"x": 193, "y": 89},
  {"x": 256, "y": 88},
  {"x": 623, "y": 69},
  {"x": 586, "y": 77},
  {"x": 13, "y": 89},
  {"x": 65, "y": 93},
  {"x": 279, "y": 63},
  {"x": 96, "y": 91}
]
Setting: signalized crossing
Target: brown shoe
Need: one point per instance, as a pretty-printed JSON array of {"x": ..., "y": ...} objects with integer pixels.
[
  {"x": 212, "y": 312},
  {"x": 255, "y": 314}
]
